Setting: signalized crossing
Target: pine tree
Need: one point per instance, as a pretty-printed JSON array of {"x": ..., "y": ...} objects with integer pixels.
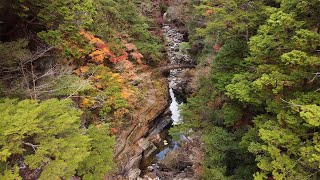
[
  {"x": 41, "y": 136},
  {"x": 283, "y": 54},
  {"x": 100, "y": 159}
]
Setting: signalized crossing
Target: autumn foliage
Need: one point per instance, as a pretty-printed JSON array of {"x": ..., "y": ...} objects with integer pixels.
[{"x": 102, "y": 52}]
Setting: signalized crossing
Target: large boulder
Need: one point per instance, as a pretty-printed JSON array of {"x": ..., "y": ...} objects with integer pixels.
[{"x": 175, "y": 160}]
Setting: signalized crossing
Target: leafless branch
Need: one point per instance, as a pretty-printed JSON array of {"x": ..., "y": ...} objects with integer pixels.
[
  {"x": 39, "y": 54},
  {"x": 292, "y": 104},
  {"x": 34, "y": 147},
  {"x": 312, "y": 174},
  {"x": 316, "y": 75}
]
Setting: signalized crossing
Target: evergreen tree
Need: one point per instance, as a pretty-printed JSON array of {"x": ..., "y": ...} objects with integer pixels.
[
  {"x": 41, "y": 136},
  {"x": 263, "y": 88},
  {"x": 100, "y": 159}
]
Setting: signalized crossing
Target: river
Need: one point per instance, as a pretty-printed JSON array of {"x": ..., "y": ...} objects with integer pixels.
[{"x": 173, "y": 39}]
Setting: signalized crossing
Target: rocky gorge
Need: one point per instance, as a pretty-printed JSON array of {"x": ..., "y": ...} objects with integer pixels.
[{"x": 144, "y": 149}]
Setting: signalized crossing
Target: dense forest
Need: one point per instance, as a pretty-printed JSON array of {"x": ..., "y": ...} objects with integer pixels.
[
  {"x": 258, "y": 106},
  {"x": 76, "y": 74},
  {"x": 58, "y": 92}
]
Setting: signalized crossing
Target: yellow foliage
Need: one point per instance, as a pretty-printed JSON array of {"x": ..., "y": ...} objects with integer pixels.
[
  {"x": 125, "y": 94},
  {"x": 97, "y": 56},
  {"x": 77, "y": 72},
  {"x": 85, "y": 103},
  {"x": 120, "y": 113},
  {"x": 84, "y": 69}
]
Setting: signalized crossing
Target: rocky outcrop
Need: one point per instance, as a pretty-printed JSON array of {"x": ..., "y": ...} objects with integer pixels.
[
  {"x": 133, "y": 141},
  {"x": 186, "y": 87},
  {"x": 181, "y": 163},
  {"x": 175, "y": 161}
]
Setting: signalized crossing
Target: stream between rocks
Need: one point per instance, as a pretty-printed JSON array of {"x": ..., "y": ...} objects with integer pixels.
[{"x": 156, "y": 165}]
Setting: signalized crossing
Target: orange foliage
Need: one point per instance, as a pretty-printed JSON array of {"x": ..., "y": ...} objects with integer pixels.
[
  {"x": 84, "y": 69},
  {"x": 114, "y": 131},
  {"x": 102, "y": 79},
  {"x": 130, "y": 47},
  {"x": 102, "y": 50},
  {"x": 217, "y": 47},
  {"x": 208, "y": 12},
  {"x": 81, "y": 70},
  {"x": 123, "y": 57},
  {"x": 134, "y": 52},
  {"x": 137, "y": 56},
  {"x": 120, "y": 113}
]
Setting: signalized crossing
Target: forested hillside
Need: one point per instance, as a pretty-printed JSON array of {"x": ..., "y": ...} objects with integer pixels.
[
  {"x": 62, "y": 85},
  {"x": 259, "y": 106},
  {"x": 81, "y": 96}
]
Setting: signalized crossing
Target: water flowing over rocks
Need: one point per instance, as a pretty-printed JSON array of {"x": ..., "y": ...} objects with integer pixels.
[
  {"x": 175, "y": 160},
  {"x": 140, "y": 140},
  {"x": 179, "y": 79}
]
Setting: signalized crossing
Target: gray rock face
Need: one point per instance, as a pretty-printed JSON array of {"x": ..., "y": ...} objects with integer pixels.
[
  {"x": 134, "y": 173},
  {"x": 134, "y": 162},
  {"x": 150, "y": 150},
  {"x": 175, "y": 161}
]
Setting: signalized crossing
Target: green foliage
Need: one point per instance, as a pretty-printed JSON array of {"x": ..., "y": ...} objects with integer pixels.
[
  {"x": 60, "y": 21},
  {"x": 100, "y": 159},
  {"x": 276, "y": 53},
  {"x": 217, "y": 141},
  {"x": 11, "y": 60},
  {"x": 46, "y": 135},
  {"x": 231, "y": 114},
  {"x": 228, "y": 61},
  {"x": 184, "y": 47},
  {"x": 128, "y": 22},
  {"x": 230, "y": 19},
  {"x": 10, "y": 174},
  {"x": 240, "y": 88},
  {"x": 266, "y": 74}
]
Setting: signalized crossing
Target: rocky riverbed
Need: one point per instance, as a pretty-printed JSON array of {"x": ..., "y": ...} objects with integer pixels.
[
  {"x": 144, "y": 149},
  {"x": 174, "y": 159}
]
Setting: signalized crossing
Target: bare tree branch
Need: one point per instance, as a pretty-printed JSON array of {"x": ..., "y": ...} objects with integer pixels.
[{"x": 34, "y": 147}]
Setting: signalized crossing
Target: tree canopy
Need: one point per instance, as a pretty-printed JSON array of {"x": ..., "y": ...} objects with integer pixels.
[{"x": 261, "y": 98}]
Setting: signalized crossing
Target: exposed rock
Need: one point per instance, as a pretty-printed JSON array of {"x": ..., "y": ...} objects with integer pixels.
[
  {"x": 133, "y": 162},
  {"x": 179, "y": 164},
  {"x": 183, "y": 176},
  {"x": 185, "y": 87},
  {"x": 150, "y": 150},
  {"x": 180, "y": 84},
  {"x": 138, "y": 136},
  {"x": 131, "y": 143},
  {"x": 175, "y": 160},
  {"x": 165, "y": 121},
  {"x": 134, "y": 173},
  {"x": 143, "y": 143}
]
